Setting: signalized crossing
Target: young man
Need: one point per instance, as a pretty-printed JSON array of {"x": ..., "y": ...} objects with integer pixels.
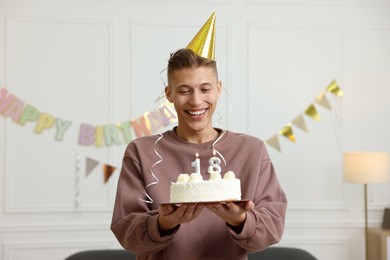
[{"x": 150, "y": 164}]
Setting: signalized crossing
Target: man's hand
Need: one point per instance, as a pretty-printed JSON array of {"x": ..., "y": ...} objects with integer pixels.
[
  {"x": 171, "y": 215},
  {"x": 232, "y": 213}
]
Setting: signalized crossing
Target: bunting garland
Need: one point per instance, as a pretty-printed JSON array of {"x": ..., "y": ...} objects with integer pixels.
[
  {"x": 107, "y": 170},
  {"x": 322, "y": 101},
  {"x": 299, "y": 122},
  {"x": 334, "y": 88},
  {"x": 274, "y": 142},
  {"x": 90, "y": 165},
  {"x": 310, "y": 111},
  {"x": 288, "y": 132}
]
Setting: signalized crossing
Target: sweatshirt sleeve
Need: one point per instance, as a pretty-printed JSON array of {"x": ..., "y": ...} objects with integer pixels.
[
  {"x": 264, "y": 224},
  {"x": 133, "y": 223}
]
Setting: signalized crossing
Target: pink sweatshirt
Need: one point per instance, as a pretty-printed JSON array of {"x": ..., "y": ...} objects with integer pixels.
[{"x": 134, "y": 221}]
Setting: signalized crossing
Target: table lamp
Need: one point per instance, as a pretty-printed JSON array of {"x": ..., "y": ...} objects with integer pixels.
[{"x": 366, "y": 167}]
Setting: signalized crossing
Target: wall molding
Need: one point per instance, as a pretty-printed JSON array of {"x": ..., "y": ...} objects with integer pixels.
[
  {"x": 188, "y": 1},
  {"x": 11, "y": 206},
  {"x": 343, "y": 242},
  {"x": 60, "y": 227},
  {"x": 375, "y": 3},
  {"x": 299, "y": 2},
  {"x": 255, "y": 27},
  {"x": 74, "y": 244}
]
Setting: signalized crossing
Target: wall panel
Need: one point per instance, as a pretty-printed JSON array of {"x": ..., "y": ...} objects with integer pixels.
[
  {"x": 281, "y": 90},
  {"x": 47, "y": 61}
]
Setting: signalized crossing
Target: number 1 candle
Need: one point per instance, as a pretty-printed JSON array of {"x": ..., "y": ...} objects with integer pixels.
[{"x": 196, "y": 164}]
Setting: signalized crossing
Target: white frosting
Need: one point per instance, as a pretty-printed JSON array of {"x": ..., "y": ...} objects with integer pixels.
[
  {"x": 183, "y": 178},
  {"x": 229, "y": 175},
  {"x": 194, "y": 177},
  {"x": 198, "y": 190},
  {"x": 215, "y": 176}
]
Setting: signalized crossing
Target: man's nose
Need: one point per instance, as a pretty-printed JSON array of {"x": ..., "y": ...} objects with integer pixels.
[{"x": 196, "y": 98}]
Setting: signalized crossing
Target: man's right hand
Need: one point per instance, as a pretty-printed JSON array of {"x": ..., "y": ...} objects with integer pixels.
[{"x": 172, "y": 215}]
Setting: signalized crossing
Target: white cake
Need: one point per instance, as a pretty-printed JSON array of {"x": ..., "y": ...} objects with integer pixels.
[{"x": 192, "y": 188}]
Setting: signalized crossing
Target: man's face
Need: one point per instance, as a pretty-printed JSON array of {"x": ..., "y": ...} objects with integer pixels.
[{"x": 194, "y": 93}]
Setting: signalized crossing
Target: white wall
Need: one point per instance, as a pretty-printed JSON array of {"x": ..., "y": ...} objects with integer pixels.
[{"x": 99, "y": 62}]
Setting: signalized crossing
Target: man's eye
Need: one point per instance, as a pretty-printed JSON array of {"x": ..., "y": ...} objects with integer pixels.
[
  {"x": 183, "y": 92},
  {"x": 206, "y": 90}
]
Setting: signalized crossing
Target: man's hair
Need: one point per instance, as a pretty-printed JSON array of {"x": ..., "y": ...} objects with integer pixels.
[{"x": 186, "y": 58}]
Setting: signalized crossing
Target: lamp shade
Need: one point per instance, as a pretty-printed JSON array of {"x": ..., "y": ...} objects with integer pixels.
[{"x": 366, "y": 167}]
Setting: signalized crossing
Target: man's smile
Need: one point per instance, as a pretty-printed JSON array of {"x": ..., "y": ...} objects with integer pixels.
[{"x": 196, "y": 112}]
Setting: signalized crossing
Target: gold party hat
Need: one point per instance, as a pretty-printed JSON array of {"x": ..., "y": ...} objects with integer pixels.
[{"x": 203, "y": 43}]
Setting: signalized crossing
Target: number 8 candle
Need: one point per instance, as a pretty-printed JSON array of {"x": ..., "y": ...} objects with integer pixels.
[{"x": 214, "y": 163}]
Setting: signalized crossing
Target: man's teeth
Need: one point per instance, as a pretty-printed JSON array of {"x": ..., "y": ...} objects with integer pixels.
[{"x": 198, "y": 112}]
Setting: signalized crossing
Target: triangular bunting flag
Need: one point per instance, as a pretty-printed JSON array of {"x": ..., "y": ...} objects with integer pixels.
[
  {"x": 108, "y": 170},
  {"x": 288, "y": 133},
  {"x": 335, "y": 89},
  {"x": 323, "y": 101},
  {"x": 274, "y": 142},
  {"x": 90, "y": 165},
  {"x": 299, "y": 121},
  {"x": 312, "y": 112}
]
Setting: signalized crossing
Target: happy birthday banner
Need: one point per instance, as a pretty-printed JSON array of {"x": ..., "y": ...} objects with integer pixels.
[
  {"x": 310, "y": 111},
  {"x": 103, "y": 135}
]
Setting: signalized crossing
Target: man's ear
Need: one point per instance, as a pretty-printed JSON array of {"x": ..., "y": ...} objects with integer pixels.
[
  {"x": 168, "y": 92},
  {"x": 219, "y": 87}
]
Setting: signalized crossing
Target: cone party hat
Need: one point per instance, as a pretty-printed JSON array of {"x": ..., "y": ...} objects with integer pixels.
[{"x": 203, "y": 43}]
